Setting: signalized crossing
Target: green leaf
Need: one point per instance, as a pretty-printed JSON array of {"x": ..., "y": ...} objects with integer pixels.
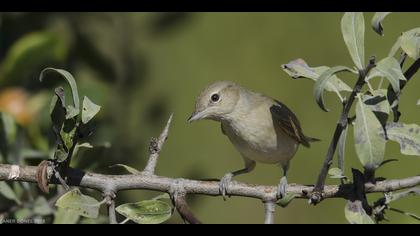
[
  {"x": 410, "y": 43},
  {"x": 66, "y": 216},
  {"x": 162, "y": 196},
  {"x": 286, "y": 200},
  {"x": 29, "y": 52},
  {"x": 355, "y": 214},
  {"x": 379, "y": 104},
  {"x": 146, "y": 212},
  {"x": 369, "y": 141},
  {"x": 100, "y": 220},
  {"x": 391, "y": 70},
  {"x": 336, "y": 173},
  {"x": 377, "y": 22},
  {"x": 41, "y": 207},
  {"x": 299, "y": 69},
  {"x": 7, "y": 192},
  {"x": 408, "y": 136},
  {"x": 68, "y": 133},
  {"x": 322, "y": 82},
  {"x": 72, "y": 110},
  {"x": 128, "y": 168},
  {"x": 418, "y": 103},
  {"x": 79, "y": 203},
  {"x": 353, "y": 30},
  {"x": 90, "y": 109}
]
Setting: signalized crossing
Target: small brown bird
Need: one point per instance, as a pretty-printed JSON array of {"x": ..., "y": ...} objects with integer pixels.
[{"x": 262, "y": 129}]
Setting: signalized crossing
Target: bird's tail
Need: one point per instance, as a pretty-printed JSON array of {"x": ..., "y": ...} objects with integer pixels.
[{"x": 309, "y": 140}]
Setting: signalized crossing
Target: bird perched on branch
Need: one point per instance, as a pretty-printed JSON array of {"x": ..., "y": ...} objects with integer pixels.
[{"x": 262, "y": 129}]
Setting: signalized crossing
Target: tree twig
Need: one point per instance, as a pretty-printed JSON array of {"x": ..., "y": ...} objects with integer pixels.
[
  {"x": 317, "y": 195},
  {"x": 155, "y": 148},
  {"x": 269, "y": 208},
  {"x": 110, "y": 201}
]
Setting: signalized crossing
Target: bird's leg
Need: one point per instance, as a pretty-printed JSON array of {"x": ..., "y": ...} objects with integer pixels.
[
  {"x": 225, "y": 181},
  {"x": 281, "y": 190}
]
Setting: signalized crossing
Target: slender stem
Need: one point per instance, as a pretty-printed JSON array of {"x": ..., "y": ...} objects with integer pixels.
[
  {"x": 270, "y": 208},
  {"x": 110, "y": 201},
  {"x": 155, "y": 148},
  {"x": 124, "y": 221},
  {"x": 341, "y": 126}
]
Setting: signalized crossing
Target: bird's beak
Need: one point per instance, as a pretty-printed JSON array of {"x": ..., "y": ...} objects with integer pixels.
[{"x": 196, "y": 116}]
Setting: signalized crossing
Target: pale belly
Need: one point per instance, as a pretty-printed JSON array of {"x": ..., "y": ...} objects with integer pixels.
[{"x": 261, "y": 142}]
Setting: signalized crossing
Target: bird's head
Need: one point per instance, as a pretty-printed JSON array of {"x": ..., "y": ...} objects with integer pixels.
[{"x": 216, "y": 101}]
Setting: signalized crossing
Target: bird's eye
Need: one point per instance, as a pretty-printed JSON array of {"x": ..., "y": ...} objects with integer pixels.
[{"x": 215, "y": 97}]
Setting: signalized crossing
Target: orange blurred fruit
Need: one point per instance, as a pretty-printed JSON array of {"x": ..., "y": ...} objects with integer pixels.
[{"x": 14, "y": 101}]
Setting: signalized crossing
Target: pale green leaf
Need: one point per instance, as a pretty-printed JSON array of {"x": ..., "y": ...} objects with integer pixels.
[
  {"x": 391, "y": 70},
  {"x": 79, "y": 203},
  {"x": 299, "y": 69},
  {"x": 66, "y": 216},
  {"x": 355, "y": 214},
  {"x": 286, "y": 200},
  {"x": 353, "y": 30},
  {"x": 379, "y": 104},
  {"x": 72, "y": 110},
  {"x": 7, "y": 192},
  {"x": 407, "y": 135},
  {"x": 100, "y": 220},
  {"x": 418, "y": 103},
  {"x": 128, "y": 168},
  {"x": 369, "y": 141},
  {"x": 377, "y": 22},
  {"x": 146, "y": 212},
  {"x": 162, "y": 196},
  {"x": 410, "y": 43},
  {"x": 336, "y": 173},
  {"x": 89, "y": 110},
  {"x": 322, "y": 82}
]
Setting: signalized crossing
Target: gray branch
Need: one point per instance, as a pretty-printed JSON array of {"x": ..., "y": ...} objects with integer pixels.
[
  {"x": 155, "y": 148},
  {"x": 117, "y": 183},
  {"x": 270, "y": 208}
]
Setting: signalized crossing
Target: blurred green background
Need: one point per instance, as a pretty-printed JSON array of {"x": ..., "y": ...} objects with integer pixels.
[{"x": 142, "y": 66}]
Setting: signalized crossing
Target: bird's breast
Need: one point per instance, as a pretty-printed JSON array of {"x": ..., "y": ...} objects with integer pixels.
[{"x": 258, "y": 140}]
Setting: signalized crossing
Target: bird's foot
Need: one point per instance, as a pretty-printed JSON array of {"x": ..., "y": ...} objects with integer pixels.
[
  {"x": 281, "y": 190},
  {"x": 224, "y": 184}
]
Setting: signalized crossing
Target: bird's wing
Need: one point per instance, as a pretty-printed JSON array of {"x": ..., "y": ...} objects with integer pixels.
[{"x": 288, "y": 122}]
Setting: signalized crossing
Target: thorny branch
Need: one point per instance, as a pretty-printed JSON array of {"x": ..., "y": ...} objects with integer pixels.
[
  {"x": 117, "y": 183},
  {"x": 155, "y": 148},
  {"x": 111, "y": 185}
]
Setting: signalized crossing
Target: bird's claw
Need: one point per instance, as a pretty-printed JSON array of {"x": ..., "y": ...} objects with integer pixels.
[
  {"x": 281, "y": 190},
  {"x": 224, "y": 184}
]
